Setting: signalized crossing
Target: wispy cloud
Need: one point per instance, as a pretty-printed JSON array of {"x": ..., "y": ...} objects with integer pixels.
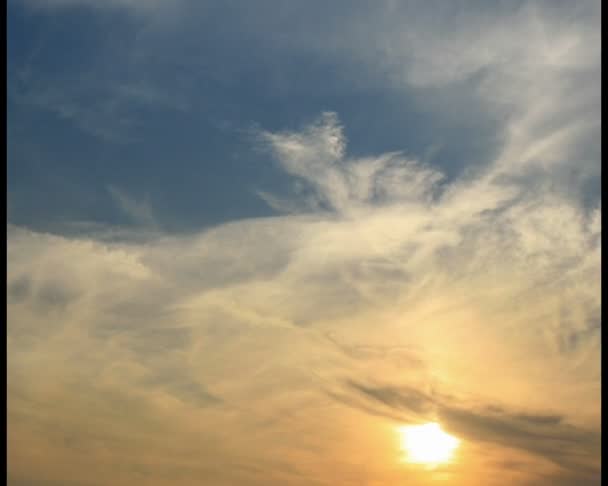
[
  {"x": 572, "y": 448},
  {"x": 139, "y": 211},
  {"x": 468, "y": 268},
  {"x": 285, "y": 349}
]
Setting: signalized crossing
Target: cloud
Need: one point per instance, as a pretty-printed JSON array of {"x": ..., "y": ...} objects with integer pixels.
[
  {"x": 572, "y": 448},
  {"x": 402, "y": 398},
  {"x": 533, "y": 68},
  {"x": 317, "y": 156},
  {"x": 139, "y": 212},
  {"x": 245, "y": 316},
  {"x": 569, "y": 447},
  {"x": 250, "y": 353}
]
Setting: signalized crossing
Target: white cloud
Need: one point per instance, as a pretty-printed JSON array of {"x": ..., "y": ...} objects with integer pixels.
[
  {"x": 317, "y": 156},
  {"x": 492, "y": 278},
  {"x": 534, "y": 67},
  {"x": 449, "y": 277}
]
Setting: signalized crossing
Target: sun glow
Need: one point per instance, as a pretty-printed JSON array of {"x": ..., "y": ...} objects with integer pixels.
[{"x": 427, "y": 444}]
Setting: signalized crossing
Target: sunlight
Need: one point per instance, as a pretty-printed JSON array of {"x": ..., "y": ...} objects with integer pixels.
[{"x": 427, "y": 444}]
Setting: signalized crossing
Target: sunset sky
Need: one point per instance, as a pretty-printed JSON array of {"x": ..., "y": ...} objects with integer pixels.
[{"x": 326, "y": 243}]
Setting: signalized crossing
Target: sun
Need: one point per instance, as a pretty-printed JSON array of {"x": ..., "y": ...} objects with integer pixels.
[{"x": 427, "y": 444}]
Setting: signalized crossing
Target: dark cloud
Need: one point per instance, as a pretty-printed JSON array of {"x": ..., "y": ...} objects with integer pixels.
[
  {"x": 540, "y": 419},
  {"x": 175, "y": 382},
  {"x": 570, "y": 335},
  {"x": 55, "y": 295},
  {"x": 149, "y": 341},
  {"x": 546, "y": 435},
  {"x": 48, "y": 295},
  {"x": 19, "y": 288},
  {"x": 402, "y": 398}
]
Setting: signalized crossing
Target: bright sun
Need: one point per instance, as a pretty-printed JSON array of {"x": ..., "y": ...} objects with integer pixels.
[{"x": 427, "y": 444}]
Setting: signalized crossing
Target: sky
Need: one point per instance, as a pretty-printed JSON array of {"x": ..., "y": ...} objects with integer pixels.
[{"x": 249, "y": 242}]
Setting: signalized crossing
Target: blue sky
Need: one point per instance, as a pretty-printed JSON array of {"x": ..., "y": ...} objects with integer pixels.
[
  {"x": 161, "y": 109},
  {"x": 252, "y": 242}
]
